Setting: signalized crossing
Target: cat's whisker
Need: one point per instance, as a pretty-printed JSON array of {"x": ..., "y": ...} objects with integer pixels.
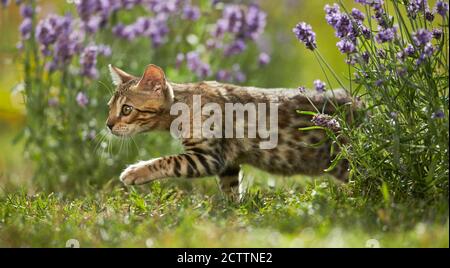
[
  {"x": 135, "y": 144},
  {"x": 99, "y": 137},
  {"x": 111, "y": 90}
]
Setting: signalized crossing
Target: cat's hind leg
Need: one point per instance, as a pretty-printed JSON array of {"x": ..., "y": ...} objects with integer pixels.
[{"x": 230, "y": 181}]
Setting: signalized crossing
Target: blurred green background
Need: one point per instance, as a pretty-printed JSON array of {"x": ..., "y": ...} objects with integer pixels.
[{"x": 291, "y": 65}]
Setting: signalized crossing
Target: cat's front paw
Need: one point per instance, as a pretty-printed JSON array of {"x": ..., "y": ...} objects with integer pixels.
[{"x": 136, "y": 174}]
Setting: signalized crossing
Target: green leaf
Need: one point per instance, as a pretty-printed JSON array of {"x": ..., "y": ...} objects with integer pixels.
[
  {"x": 306, "y": 112},
  {"x": 311, "y": 128}
]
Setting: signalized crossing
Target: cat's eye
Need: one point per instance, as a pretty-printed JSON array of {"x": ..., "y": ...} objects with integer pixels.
[{"x": 126, "y": 109}]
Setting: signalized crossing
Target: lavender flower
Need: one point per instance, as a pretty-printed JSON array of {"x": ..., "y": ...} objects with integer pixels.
[
  {"x": 341, "y": 22},
  {"x": 305, "y": 34},
  {"x": 386, "y": 35},
  {"x": 438, "y": 114},
  {"x": 351, "y": 60},
  {"x": 255, "y": 21},
  {"x": 365, "y": 56},
  {"x": 154, "y": 28},
  {"x": 196, "y": 66},
  {"x": 26, "y": 11},
  {"x": 429, "y": 16},
  {"x": 46, "y": 30},
  {"x": 242, "y": 23},
  {"x": 220, "y": 28},
  {"x": 366, "y": 32},
  {"x": 319, "y": 85},
  {"x": 263, "y": 59},
  {"x": 223, "y": 75},
  {"x": 5, "y": 3},
  {"x": 326, "y": 121},
  {"x": 383, "y": 19},
  {"x": 240, "y": 77},
  {"x": 88, "y": 61},
  {"x": 415, "y": 6},
  {"x": 57, "y": 32},
  {"x": 82, "y": 99},
  {"x": 233, "y": 15},
  {"x": 25, "y": 28},
  {"x": 345, "y": 46},
  {"x": 160, "y": 6},
  {"x": 344, "y": 26},
  {"x": 401, "y": 56},
  {"x": 191, "y": 13},
  {"x": 302, "y": 89},
  {"x": 428, "y": 50},
  {"x": 441, "y": 8},
  {"x": 236, "y": 47},
  {"x": 437, "y": 33},
  {"x": 331, "y": 12},
  {"x": 422, "y": 37},
  {"x": 409, "y": 50},
  {"x": 372, "y": 3},
  {"x": 358, "y": 15}
]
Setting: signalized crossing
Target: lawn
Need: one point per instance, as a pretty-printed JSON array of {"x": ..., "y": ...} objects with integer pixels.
[{"x": 277, "y": 212}]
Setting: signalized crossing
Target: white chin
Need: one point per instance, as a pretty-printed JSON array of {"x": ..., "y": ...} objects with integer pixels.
[{"x": 123, "y": 133}]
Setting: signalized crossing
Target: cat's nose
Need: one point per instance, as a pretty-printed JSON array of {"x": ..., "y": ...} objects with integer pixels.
[{"x": 109, "y": 125}]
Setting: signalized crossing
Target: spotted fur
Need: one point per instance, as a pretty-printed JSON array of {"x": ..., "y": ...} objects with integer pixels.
[{"x": 152, "y": 95}]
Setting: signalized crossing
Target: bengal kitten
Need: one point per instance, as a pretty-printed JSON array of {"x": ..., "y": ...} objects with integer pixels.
[{"x": 143, "y": 104}]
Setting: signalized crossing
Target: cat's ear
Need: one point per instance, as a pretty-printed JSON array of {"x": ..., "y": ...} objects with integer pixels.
[
  {"x": 118, "y": 76},
  {"x": 153, "y": 79}
]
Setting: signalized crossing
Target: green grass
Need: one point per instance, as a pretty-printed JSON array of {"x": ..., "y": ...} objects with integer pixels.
[{"x": 174, "y": 213}]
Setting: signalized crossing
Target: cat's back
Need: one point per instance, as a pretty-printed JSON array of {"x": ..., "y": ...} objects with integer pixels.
[{"x": 287, "y": 98}]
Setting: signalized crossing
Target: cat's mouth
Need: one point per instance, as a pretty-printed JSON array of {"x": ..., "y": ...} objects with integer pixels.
[{"x": 124, "y": 131}]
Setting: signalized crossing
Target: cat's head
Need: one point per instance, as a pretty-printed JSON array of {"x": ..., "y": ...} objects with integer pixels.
[{"x": 139, "y": 104}]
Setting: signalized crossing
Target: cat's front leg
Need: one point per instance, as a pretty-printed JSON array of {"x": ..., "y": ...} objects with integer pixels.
[
  {"x": 140, "y": 173},
  {"x": 188, "y": 165}
]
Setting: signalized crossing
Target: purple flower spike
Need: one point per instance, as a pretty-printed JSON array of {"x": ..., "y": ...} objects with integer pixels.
[
  {"x": 358, "y": 15},
  {"x": 264, "y": 59},
  {"x": 441, "y": 8},
  {"x": 305, "y": 35},
  {"x": 82, "y": 99},
  {"x": 4, "y": 3},
  {"x": 319, "y": 85},
  {"x": 438, "y": 114},
  {"x": 437, "y": 33},
  {"x": 386, "y": 35},
  {"x": 301, "y": 89},
  {"x": 346, "y": 46},
  {"x": 88, "y": 61},
  {"x": 324, "y": 120},
  {"x": 236, "y": 47},
  {"x": 422, "y": 37},
  {"x": 195, "y": 65},
  {"x": 25, "y": 28},
  {"x": 409, "y": 50},
  {"x": 416, "y": 6},
  {"x": 223, "y": 75},
  {"x": 191, "y": 13},
  {"x": 26, "y": 11}
]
